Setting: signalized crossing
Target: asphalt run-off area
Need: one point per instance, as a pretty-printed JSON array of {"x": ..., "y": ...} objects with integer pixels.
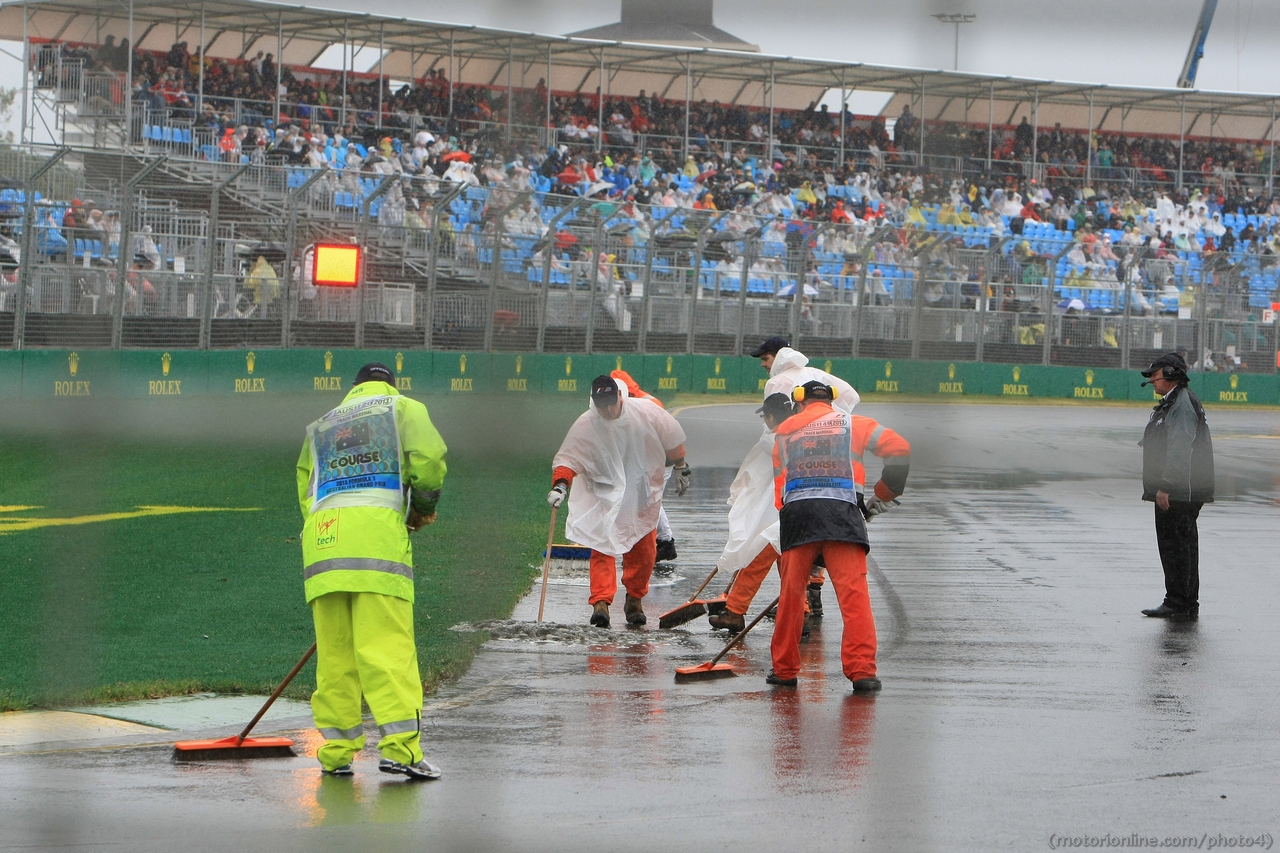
[{"x": 1026, "y": 702}]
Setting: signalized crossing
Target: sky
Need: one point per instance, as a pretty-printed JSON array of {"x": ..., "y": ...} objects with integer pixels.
[{"x": 1141, "y": 42}]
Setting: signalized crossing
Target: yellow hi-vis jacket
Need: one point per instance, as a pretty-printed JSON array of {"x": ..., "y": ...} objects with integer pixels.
[{"x": 357, "y": 477}]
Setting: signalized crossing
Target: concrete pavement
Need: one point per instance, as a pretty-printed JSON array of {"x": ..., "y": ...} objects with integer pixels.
[{"x": 1025, "y": 698}]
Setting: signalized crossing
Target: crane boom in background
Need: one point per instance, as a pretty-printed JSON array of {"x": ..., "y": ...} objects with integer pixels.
[{"x": 1187, "y": 79}]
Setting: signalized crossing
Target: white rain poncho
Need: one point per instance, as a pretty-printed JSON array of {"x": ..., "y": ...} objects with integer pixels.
[
  {"x": 753, "y": 517},
  {"x": 619, "y": 469},
  {"x": 789, "y": 372}
]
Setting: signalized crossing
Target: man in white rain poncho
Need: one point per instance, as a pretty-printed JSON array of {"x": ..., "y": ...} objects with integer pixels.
[
  {"x": 752, "y": 548},
  {"x": 788, "y": 370},
  {"x": 615, "y": 457}
]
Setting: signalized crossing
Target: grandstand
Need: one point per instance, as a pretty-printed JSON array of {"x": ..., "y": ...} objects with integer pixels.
[{"x": 517, "y": 192}]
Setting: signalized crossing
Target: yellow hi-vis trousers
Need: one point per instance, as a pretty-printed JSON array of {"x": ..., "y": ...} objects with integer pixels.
[{"x": 364, "y": 645}]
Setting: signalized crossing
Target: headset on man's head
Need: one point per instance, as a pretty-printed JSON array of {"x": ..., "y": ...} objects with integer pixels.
[
  {"x": 1168, "y": 374},
  {"x": 797, "y": 393}
]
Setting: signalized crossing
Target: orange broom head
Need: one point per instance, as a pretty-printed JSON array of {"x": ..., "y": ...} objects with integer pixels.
[
  {"x": 704, "y": 671},
  {"x": 233, "y": 747},
  {"x": 686, "y": 612}
]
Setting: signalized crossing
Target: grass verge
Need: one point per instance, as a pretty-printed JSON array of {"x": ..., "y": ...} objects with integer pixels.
[{"x": 159, "y": 605}]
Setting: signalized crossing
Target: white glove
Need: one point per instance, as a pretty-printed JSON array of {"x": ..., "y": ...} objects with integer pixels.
[
  {"x": 682, "y": 476},
  {"x": 555, "y": 497},
  {"x": 875, "y": 506}
]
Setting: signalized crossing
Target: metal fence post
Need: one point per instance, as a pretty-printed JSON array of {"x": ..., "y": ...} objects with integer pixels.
[
  {"x": 747, "y": 240},
  {"x": 646, "y": 302},
  {"x": 438, "y": 209},
  {"x": 797, "y": 302},
  {"x": 499, "y": 224},
  {"x": 1126, "y": 323},
  {"x": 695, "y": 290},
  {"x": 126, "y": 248},
  {"x": 290, "y": 249},
  {"x": 211, "y": 254},
  {"x": 363, "y": 288},
  {"x": 29, "y": 246},
  {"x": 548, "y": 251},
  {"x": 1047, "y": 356}
]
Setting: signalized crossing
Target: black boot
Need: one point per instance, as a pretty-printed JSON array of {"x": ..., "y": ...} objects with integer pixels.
[
  {"x": 815, "y": 600},
  {"x": 600, "y": 614},
  {"x": 666, "y": 550}
]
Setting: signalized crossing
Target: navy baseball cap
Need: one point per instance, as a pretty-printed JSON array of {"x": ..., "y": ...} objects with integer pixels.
[
  {"x": 604, "y": 388},
  {"x": 769, "y": 347},
  {"x": 375, "y": 371},
  {"x": 1169, "y": 359}
]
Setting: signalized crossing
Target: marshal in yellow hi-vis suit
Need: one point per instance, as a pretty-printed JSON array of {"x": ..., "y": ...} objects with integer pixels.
[{"x": 370, "y": 471}]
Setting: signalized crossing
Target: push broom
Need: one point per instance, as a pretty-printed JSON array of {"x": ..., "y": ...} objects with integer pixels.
[
  {"x": 690, "y": 610},
  {"x": 243, "y": 746},
  {"x": 713, "y": 668},
  {"x": 546, "y": 563}
]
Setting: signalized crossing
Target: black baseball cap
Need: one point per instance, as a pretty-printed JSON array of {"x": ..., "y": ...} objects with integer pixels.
[
  {"x": 776, "y": 406},
  {"x": 375, "y": 371},
  {"x": 1169, "y": 359},
  {"x": 815, "y": 390},
  {"x": 770, "y": 347},
  {"x": 603, "y": 387}
]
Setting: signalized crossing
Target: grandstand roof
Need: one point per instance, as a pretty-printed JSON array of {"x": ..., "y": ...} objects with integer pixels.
[{"x": 239, "y": 28}]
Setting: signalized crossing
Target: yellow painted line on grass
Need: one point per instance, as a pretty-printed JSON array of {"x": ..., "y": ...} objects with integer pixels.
[
  {"x": 18, "y": 728},
  {"x": 18, "y": 525},
  {"x": 18, "y": 508}
]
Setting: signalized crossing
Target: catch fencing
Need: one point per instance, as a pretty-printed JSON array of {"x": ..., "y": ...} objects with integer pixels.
[{"x": 196, "y": 254}]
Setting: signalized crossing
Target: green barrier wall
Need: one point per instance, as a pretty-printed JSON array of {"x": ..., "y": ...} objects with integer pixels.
[{"x": 183, "y": 373}]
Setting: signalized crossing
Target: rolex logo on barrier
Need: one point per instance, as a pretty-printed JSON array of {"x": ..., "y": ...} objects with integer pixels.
[
  {"x": 669, "y": 382},
  {"x": 1233, "y": 396},
  {"x": 461, "y": 383},
  {"x": 328, "y": 383},
  {"x": 1088, "y": 392},
  {"x": 717, "y": 382},
  {"x": 1014, "y": 389},
  {"x": 250, "y": 384},
  {"x": 567, "y": 385},
  {"x": 72, "y": 387},
  {"x": 618, "y": 363},
  {"x": 887, "y": 385},
  {"x": 403, "y": 383},
  {"x": 518, "y": 382},
  {"x": 164, "y": 387},
  {"x": 951, "y": 386},
  {"x": 827, "y": 366}
]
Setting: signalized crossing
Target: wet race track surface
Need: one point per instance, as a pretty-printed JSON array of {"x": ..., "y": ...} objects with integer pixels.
[{"x": 1025, "y": 698}]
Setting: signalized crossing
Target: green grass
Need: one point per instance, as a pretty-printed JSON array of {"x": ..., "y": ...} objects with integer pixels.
[{"x": 166, "y": 605}]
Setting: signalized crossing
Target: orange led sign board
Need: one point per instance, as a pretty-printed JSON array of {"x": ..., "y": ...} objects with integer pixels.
[{"x": 336, "y": 266}]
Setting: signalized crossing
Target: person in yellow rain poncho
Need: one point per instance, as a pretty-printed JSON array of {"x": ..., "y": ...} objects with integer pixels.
[
  {"x": 370, "y": 473},
  {"x": 915, "y": 214},
  {"x": 264, "y": 282}
]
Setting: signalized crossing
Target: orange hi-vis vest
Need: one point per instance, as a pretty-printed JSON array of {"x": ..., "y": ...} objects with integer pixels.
[{"x": 819, "y": 452}]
